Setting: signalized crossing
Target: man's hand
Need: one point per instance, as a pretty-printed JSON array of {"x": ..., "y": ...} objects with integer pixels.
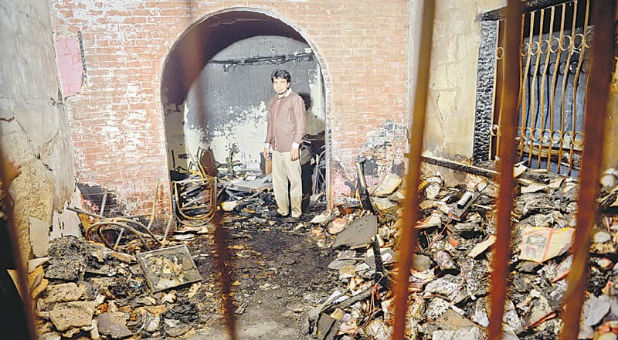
[
  {"x": 295, "y": 154},
  {"x": 267, "y": 153}
]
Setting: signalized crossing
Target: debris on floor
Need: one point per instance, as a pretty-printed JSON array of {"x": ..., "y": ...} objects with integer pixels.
[
  {"x": 329, "y": 273},
  {"x": 450, "y": 276}
]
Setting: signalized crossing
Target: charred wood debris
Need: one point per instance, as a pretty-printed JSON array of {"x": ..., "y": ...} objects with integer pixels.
[{"x": 143, "y": 284}]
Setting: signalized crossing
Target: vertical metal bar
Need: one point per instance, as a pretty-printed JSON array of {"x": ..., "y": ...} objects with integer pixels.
[
  {"x": 191, "y": 64},
  {"x": 594, "y": 128},
  {"x": 409, "y": 233},
  {"x": 20, "y": 263},
  {"x": 497, "y": 85},
  {"x": 582, "y": 51},
  {"x": 564, "y": 83},
  {"x": 524, "y": 83},
  {"x": 103, "y": 204},
  {"x": 533, "y": 88},
  {"x": 508, "y": 129},
  {"x": 553, "y": 91},
  {"x": 543, "y": 80}
]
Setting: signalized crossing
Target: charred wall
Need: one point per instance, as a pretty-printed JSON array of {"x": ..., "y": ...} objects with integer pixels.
[{"x": 33, "y": 124}]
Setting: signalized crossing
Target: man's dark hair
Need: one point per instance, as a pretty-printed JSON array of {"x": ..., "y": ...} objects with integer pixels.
[{"x": 283, "y": 74}]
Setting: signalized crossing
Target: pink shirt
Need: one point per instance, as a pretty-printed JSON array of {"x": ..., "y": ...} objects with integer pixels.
[{"x": 286, "y": 122}]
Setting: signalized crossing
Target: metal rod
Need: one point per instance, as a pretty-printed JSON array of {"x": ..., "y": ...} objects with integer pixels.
[
  {"x": 191, "y": 63},
  {"x": 154, "y": 205},
  {"x": 447, "y": 163},
  {"x": 103, "y": 203},
  {"x": 508, "y": 129},
  {"x": 553, "y": 89},
  {"x": 543, "y": 80},
  {"x": 575, "y": 85},
  {"x": 533, "y": 128},
  {"x": 594, "y": 127},
  {"x": 408, "y": 234},
  {"x": 564, "y": 83},
  {"x": 524, "y": 83},
  {"x": 167, "y": 229}
]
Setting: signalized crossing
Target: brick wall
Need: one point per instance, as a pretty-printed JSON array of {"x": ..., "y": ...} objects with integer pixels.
[{"x": 116, "y": 118}]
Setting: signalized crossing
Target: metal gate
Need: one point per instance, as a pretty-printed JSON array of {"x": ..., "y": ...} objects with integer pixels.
[{"x": 554, "y": 61}]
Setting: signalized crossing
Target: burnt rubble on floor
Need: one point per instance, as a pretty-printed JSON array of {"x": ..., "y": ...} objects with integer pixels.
[
  {"x": 449, "y": 285},
  {"x": 334, "y": 268},
  {"x": 152, "y": 287}
]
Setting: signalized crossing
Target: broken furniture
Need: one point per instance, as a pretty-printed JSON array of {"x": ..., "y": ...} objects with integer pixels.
[{"x": 195, "y": 199}]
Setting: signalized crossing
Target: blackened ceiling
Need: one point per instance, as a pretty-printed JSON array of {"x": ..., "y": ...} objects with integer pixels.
[{"x": 206, "y": 39}]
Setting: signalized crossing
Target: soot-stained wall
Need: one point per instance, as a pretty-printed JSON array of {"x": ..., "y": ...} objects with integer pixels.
[{"x": 227, "y": 105}]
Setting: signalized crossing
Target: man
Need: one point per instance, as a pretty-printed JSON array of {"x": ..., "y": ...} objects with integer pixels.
[{"x": 286, "y": 128}]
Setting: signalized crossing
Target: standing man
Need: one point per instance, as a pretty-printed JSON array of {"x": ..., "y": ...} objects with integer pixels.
[{"x": 286, "y": 128}]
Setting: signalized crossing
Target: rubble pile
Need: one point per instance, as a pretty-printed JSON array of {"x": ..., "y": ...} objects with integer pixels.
[
  {"x": 449, "y": 285},
  {"x": 95, "y": 292}
]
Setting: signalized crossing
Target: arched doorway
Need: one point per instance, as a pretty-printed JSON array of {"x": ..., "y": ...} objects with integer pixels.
[{"x": 216, "y": 86}]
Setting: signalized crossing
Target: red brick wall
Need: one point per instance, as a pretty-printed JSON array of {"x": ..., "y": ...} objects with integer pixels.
[{"x": 116, "y": 119}]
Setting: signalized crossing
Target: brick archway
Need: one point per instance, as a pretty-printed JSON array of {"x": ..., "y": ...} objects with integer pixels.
[{"x": 214, "y": 32}]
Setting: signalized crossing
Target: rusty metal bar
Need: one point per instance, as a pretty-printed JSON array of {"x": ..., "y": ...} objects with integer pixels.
[
  {"x": 409, "y": 234},
  {"x": 564, "y": 83},
  {"x": 594, "y": 128},
  {"x": 543, "y": 80},
  {"x": 497, "y": 84},
  {"x": 582, "y": 50},
  {"x": 533, "y": 98},
  {"x": 7, "y": 173},
  {"x": 508, "y": 130},
  {"x": 553, "y": 90},
  {"x": 191, "y": 65},
  {"x": 526, "y": 50}
]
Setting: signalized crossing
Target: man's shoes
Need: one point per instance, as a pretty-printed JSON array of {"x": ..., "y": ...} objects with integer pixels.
[{"x": 276, "y": 214}]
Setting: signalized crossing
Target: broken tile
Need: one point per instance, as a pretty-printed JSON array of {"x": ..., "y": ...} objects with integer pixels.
[
  {"x": 113, "y": 325},
  {"x": 534, "y": 187},
  {"x": 175, "y": 329},
  {"x": 359, "y": 232},
  {"x": 378, "y": 330},
  {"x": 68, "y": 315},
  {"x": 482, "y": 247},
  {"x": 337, "y": 225},
  {"x": 433, "y": 220},
  {"x": 444, "y": 260},
  {"x": 50, "y": 336},
  {"x": 539, "y": 308},
  {"x": 323, "y": 219},
  {"x": 64, "y": 292},
  {"x": 451, "y": 320},
  {"x": 436, "y": 308},
  {"x": 387, "y": 185},
  {"x": 519, "y": 169},
  {"x": 447, "y": 286},
  {"x": 344, "y": 258},
  {"x": 602, "y": 237},
  {"x": 384, "y": 204},
  {"x": 468, "y": 333},
  {"x": 151, "y": 322},
  {"x": 595, "y": 308}
]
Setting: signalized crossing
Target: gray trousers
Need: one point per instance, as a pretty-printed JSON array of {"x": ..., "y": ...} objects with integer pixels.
[{"x": 285, "y": 170}]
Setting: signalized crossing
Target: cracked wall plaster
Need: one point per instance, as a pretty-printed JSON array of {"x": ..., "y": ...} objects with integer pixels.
[{"x": 33, "y": 124}]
